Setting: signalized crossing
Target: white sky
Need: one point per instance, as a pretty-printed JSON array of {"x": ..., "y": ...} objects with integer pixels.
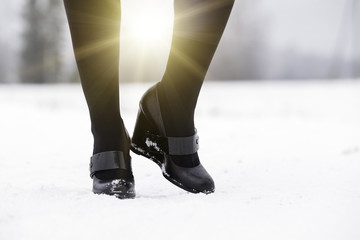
[{"x": 311, "y": 25}]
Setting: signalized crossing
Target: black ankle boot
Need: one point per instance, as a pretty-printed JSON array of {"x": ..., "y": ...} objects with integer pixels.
[
  {"x": 112, "y": 174},
  {"x": 150, "y": 140}
]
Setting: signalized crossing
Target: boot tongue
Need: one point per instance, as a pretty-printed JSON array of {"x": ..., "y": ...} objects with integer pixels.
[{"x": 186, "y": 161}]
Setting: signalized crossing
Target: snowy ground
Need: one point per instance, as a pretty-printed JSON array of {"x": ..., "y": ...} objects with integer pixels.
[{"x": 285, "y": 158}]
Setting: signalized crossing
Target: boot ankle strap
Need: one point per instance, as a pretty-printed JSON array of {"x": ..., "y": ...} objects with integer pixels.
[
  {"x": 107, "y": 161},
  {"x": 173, "y": 145}
]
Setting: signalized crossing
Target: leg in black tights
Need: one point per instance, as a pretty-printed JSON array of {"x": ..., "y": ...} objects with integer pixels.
[
  {"x": 198, "y": 27},
  {"x": 95, "y": 29}
]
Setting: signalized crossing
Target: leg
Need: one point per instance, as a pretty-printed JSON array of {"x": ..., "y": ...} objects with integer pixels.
[
  {"x": 198, "y": 27},
  {"x": 95, "y": 29},
  {"x": 165, "y": 130}
]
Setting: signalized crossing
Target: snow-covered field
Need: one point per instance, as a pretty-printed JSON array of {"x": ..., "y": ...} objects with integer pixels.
[{"x": 285, "y": 158}]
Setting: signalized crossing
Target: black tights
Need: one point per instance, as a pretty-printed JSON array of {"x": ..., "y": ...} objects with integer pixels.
[
  {"x": 95, "y": 26},
  {"x": 198, "y": 27}
]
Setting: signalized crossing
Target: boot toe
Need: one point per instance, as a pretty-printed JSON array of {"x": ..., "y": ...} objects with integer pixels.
[{"x": 194, "y": 179}]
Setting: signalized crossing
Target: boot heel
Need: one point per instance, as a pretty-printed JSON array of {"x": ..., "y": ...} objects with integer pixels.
[
  {"x": 141, "y": 127},
  {"x": 139, "y": 140}
]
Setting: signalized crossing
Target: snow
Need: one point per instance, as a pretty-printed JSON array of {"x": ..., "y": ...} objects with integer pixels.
[
  {"x": 150, "y": 143},
  {"x": 285, "y": 157}
]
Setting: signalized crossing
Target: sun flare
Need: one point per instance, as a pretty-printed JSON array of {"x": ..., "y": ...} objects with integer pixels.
[
  {"x": 145, "y": 38},
  {"x": 146, "y": 23},
  {"x": 149, "y": 30}
]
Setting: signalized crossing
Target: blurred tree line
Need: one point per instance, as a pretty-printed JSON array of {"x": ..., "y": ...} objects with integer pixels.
[
  {"x": 244, "y": 52},
  {"x": 42, "y": 42}
]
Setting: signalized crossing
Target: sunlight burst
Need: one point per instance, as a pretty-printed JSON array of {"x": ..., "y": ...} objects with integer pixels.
[
  {"x": 147, "y": 24},
  {"x": 149, "y": 30},
  {"x": 145, "y": 38}
]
